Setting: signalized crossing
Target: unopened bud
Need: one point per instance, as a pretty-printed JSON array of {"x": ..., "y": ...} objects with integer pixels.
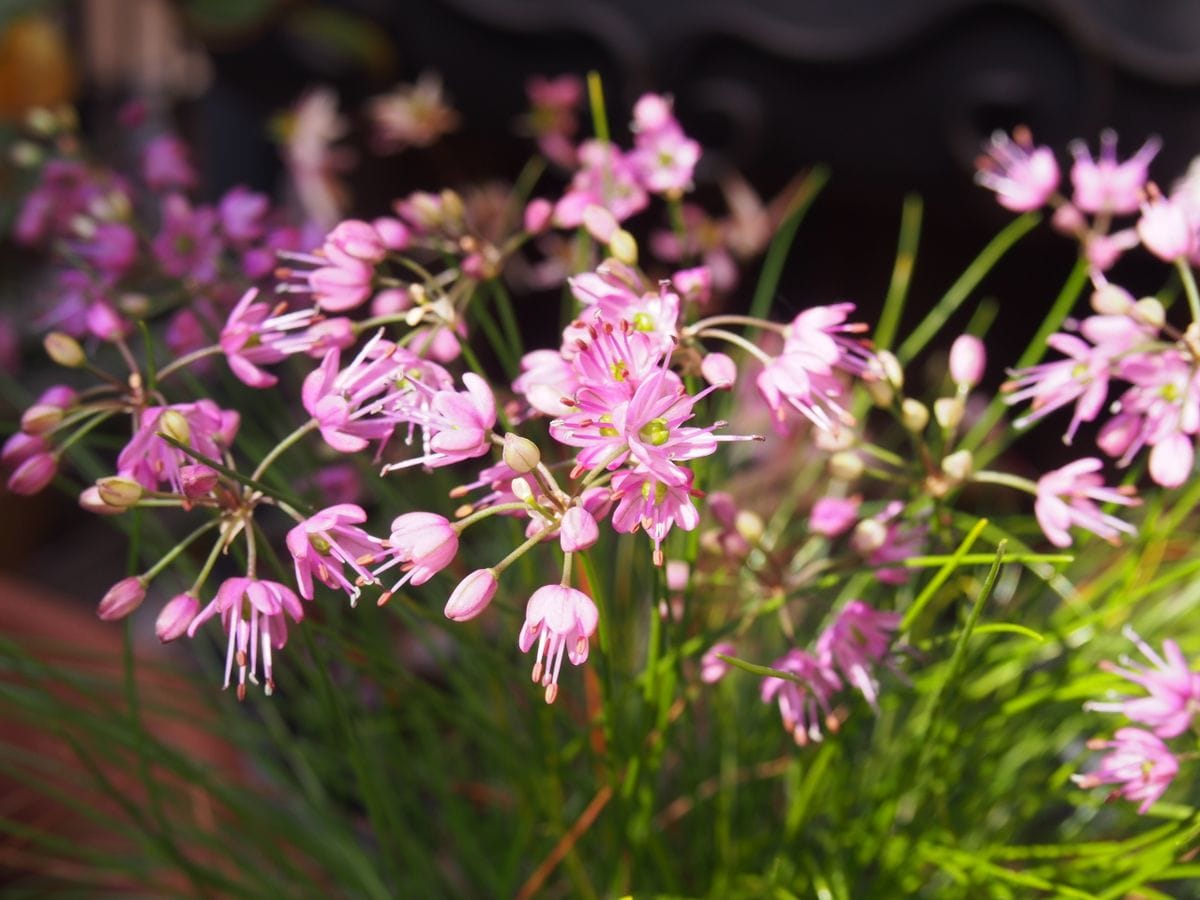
[
  {"x": 624, "y": 247},
  {"x": 452, "y": 206},
  {"x": 868, "y": 536},
  {"x": 967, "y": 360},
  {"x": 914, "y": 414},
  {"x": 25, "y": 154},
  {"x": 90, "y": 500},
  {"x": 948, "y": 411},
  {"x": 522, "y": 490},
  {"x": 1150, "y": 311},
  {"x": 64, "y": 350},
  {"x": 122, "y": 598},
  {"x": 119, "y": 492},
  {"x": 520, "y": 454},
  {"x": 578, "y": 530},
  {"x": 173, "y": 424},
  {"x": 845, "y": 465},
  {"x": 41, "y": 418},
  {"x": 749, "y": 525},
  {"x": 887, "y": 367},
  {"x": 472, "y": 595},
  {"x": 959, "y": 465},
  {"x": 1111, "y": 300},
  {"x": 176, "y": 616},
  {"x": 882, "y": 394}
]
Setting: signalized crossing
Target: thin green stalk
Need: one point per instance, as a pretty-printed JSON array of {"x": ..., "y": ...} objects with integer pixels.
[
  {"x": 282, "y": 447},
  {"x": 1189, "y": 287},
  {"x": 902, "y": 269}
]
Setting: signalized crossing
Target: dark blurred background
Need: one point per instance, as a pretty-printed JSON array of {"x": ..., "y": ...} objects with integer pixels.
[{"x": 895, "y": 97}]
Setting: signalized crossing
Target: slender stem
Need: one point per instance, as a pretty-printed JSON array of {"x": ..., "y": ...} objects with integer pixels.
[
  {"x": 251, "y": 550},
  {"x": 737, "y": 340},
  {"x": 207, "y": 568},
  {"x": 902, "y": 269},
  {"x": 730, "y": 319},
  {"x": 376, "y": 321},
  {"x": 282, "y": 447},
  {"x": 517, "y": 554},
  {"x": 1005, "y": 479},
  {"x": 566, "y": 573},
  {"x": 487, "y": 511},
  {"x": 177, "y": 549},
  {"x": 1189, "y": 287},
  {"x": 187, "y": 359},
  {"x": 84, "y": 429},
  {"x": 596, "y": 100}
]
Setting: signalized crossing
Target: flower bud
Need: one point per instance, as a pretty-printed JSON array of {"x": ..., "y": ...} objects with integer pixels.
[
  {"x": 831, "y": 516},
  {"x": 90, "y": 500},
  {"x": 1165, "y": 230},
  {"x": 20, "y": 447},
  {"x": 967, "y": 359},
  {"x": 1111, "y": 300},
  {"x": 173, "y": 424},
  {"x": 882, "y": 394},
  {"x": 122, "y": 598},
  {"x": 678, "y": 572},
  {"x": 537, "y": 215},
  {"x": 914, "y": 414},
  {"x": 578, "y": 530},
  {"x": 176, "y": 616},
  {"x": 749, "y": 525},
  {"x": 197, "y": 480},
  {"x": 868, "y": 536},
  {"x": 948, "y": 411},
  {"x": 119, "y": 492},
  {"x": 520, "y": 454},
  {"x": 719, "y": 370},
  {"x": 64, "y": 350},
  {"x": 41, "y": 418},
  {"x": 33, "y": 474},
  {"x": 600, "y": 223},
  {"x": 887, "y": 367},
  {"x": 394, "y": 233},
  {"x": 845, "y": 465},
  {"x": 1150, "y": 311},
  {"x": 472, "y": 595},
  {"x": 624, "y": 247},
  {"x": 959, "y": 465}
]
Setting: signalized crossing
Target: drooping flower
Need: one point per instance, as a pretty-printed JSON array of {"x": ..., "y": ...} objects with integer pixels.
[
  {"x": 324, "y": 543},
  {"x": 1023, "y": 176},
  {"x": 149, "y": 460},
  {"x": 1068, "y": 496},
  {"x": 643, "y": 501},
  {"x": 188, "y": 244},
  {"x": 1140, "y": 763},
  {"x": 410, "y": 115},
  {"x": 561, "y": 619},
  {"x": 423, "y": 544},
  {"x": 457, "y": 424},
  {"x": 253, "y": 613},
  {"x": 803, "y": 704},
  {"x": 258, "y": 334},
  {"x": 606, "y": 178},
  {"x": 857, "y": 641},
  {"x": 1173, "y": 688}
]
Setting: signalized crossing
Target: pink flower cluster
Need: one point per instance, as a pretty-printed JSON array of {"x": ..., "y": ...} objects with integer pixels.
[{"x": 1140, "y": 761}]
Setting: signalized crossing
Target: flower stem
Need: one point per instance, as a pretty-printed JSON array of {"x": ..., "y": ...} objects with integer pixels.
[
  {"x": 1005, "y": 479},
  {"x": 282, "y": 447},
  {"x": 186, "y": 360},
  {"x": 481, "y": 514},
  {"x": 177, "y": 549},
  {"x": 1189, "y": 287},
  {"x": 517, "y": 554},
  {"x": 737, "y": 340}
]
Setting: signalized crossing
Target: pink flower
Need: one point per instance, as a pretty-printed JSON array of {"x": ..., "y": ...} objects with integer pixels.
[
  {"x": 187, "y": 245},
  {"x": 458, "y": 424},
  {"x": 645, "y": 502},
  {"x": 1140, "y": 763},
  {"x": 472, "y": 595},
  {"x": 664, "y": 157},
  {"x": 1173, "y": 687},
  {"x": 343, "y": 285},
  {"x": 803, "y": 703},
  {"x": 167, "y": 165},
  {"x": 712, "y": 667},
  {"x": 241, "y": 213},
  {"x": 337, "y": 398},
  {"x": 1103, "y": 185},
  {"x": 325, "y": 542},
  {"x": 425, "y": 543},
  {"x": 1165, "y": 230},
  {"x": 561, "y": 619},
  {"x": 606, "y": 178},
  {"x": 352, "y": 241},
  {"x": 253, "y": 612},
  {"x": 832, "y": 516},
  {"x": 578, "y": 530},
  {"x": 967, "y": 359},
  {"x": 410, "y": 115},
  {"x": 857, "y": 640},
  {"x": 1023, "y": 176},
  {"x": 258, "y": 334},
  {"x": 112, "y": 248},
  {"x": 149, "y": 460},
  {"x": 1068, "y": 496},
  {"x": 176, "y": 616}
]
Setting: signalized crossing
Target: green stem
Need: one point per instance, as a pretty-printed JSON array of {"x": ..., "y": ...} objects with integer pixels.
[
  {"x": 1005, "y": 479},
  {"x": 596, "y": 101},
  {"x": 174, "y": 552},
  {"x": 481, "y": 514},
  {"x": 1189, "y": 287},
  {"x": 282, "y": 447},
  {"x": 208, "y": 567},
  {"x": 737, "y": 340},
  {"x": 902, "y": 269},
  {"x": 517, "y": 554},
  {"x": 186, "y": 360}
]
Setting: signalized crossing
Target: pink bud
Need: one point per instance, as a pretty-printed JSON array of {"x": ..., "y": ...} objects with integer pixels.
[
  {"x": 678, "y": 573},
  {"x": 967, "y": 359},
  {"x": 391, "y": 300},
  {"x": 122, "y": 598},
  {"x": 537, "y": 215},
  {"x": 712, "y": 667},
  {"x": 394, "y": 233},
  {"x": 599, "y": 222},
  {"x": 176, "y": 616},
  {"x": 651, "y": 112},
  {"x": 578, "y": 531},
  {"x": 105, "y": 322},
  {"x": 20, "y": 447},
  {"x": 472, "y": 595},
  {"x": 1165, "y": 231},
  {"x": 719, "y": 370},
  {"x": 41, "y": 418},
  {"x": 694, "y": 284},
  {"x": 341, "y": 287},
  {"x": 833, "y": 515},
  {"x": 33, "y": 474},
  {"x": 354, "y": 240},
  {"x": 58, "y": 395},
  {"x": 197, "y": 480}
]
